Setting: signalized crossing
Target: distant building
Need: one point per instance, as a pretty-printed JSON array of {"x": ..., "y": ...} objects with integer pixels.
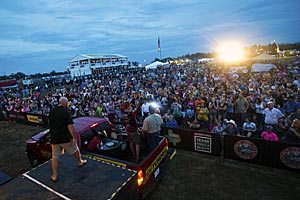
[{"x": 83, "y": 64}]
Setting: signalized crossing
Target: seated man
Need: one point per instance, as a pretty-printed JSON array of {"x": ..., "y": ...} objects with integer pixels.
[
  {"x": 171, "y": 122},
  {"x": 293, "y": 133},
  {"x": 231, "y": 128}
]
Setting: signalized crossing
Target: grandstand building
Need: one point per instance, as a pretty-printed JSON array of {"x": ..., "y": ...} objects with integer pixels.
[{"x": 83, "y": 64}]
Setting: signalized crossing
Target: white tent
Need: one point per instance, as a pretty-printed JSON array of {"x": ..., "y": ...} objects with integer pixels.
[
  {"x": 155, "y": 65},
  {"x": 258, "y": 67},
  {"x": 216, "y": 61},
  {"x": 264, "y": 56}
]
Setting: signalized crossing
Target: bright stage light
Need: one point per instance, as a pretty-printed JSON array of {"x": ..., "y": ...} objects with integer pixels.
[{"x": 231, "y": 51}]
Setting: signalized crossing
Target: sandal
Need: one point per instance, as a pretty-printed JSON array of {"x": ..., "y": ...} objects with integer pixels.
[{"x": 83, "y": 163}]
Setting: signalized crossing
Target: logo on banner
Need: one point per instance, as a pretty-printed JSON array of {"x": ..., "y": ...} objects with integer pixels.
[
  {"x": 202, "y": 142},
  {"x": 290, "y": 157},
  {"x": 245, "y": 149}
]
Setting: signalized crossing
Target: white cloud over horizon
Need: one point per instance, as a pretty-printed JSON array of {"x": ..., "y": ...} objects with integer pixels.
[{"x": 50, "y": 33}]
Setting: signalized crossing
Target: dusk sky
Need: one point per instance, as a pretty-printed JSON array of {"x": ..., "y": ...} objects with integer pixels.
[{"x": 42, "y": 36}]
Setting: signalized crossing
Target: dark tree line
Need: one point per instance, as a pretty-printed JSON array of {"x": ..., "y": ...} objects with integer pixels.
[{"x": 21, "y": 75}]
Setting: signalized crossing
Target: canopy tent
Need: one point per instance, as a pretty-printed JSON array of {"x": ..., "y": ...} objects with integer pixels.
[
  {"x": 205, "y": 60},
  {"x": 155, "y": 64},
  {"x": 258, "y": 67},
  {"x": 216, "y": 61},
  {"x": 264, "y": 56}
]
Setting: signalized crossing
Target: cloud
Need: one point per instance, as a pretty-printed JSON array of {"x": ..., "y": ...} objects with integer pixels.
[
  {"x": 62, "y": 29},
  {"x": 18, "y": 47}
]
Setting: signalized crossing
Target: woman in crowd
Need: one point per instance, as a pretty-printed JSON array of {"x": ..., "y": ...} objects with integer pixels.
[
  {"x": 133, "y": 137},
  {"x": 259, "y": 107},
  {"x": 202, "y": 114},
  {"x": 213, "y": 110},
  {"x": 222, "y": 106}
]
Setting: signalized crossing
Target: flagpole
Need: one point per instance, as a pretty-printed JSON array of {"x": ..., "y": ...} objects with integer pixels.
[
  {"x": 160, "y": 54},
  {"x": 158, "y": 45}
]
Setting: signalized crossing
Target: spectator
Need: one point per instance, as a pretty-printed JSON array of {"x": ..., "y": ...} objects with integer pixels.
[
  {"x": 268, "y": 134},
  {"x": 230, "y": 108},
  {"x": 272, "y": 116},
  {"x": 145, "y": 108},
  {"x": 290, "y": 106},
  {"x": 291, "y": 117},
  {"x": 195, "y": 124},
  {"x": 4, "y": 104},
  {"x": 189, "y": 113},
  {"x": 176, "y": 108},
  {"x": 202, "y": 114},
  {"x": 171, "y": 122},
  {"x": 166, "y": 115},
  {"x": 259, "y": 107},
  {"x": 241, "y": 106},
  {"x": 231, "y": 128},
  {"x": 218, "y": 129},
  {"x": 99, "y": 110},
  {"x": 133, "y": 137},
  {"x": 151, "y": 128},
  {"x": 137, "y": 110},
  {"x": 222, "y": 107},
  {"x": 293, "y": 133},
  {"x": 213, "y": 110},
  {"x": 249, "y": 127}
]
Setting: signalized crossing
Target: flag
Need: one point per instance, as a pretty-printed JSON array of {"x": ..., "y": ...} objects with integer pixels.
[{"x": 158, "y": 45}]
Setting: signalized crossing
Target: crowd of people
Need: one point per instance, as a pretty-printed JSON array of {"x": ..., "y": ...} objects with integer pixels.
[{"x": 203, "y": 97}]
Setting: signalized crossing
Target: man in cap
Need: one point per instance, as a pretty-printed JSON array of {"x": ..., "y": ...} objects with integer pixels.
[
  {"x": 272, "y": 116},
  {"x": 62, "y": 136}
]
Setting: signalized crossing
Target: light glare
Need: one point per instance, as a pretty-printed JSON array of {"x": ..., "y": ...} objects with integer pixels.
[{"x": 231, "y": 51}]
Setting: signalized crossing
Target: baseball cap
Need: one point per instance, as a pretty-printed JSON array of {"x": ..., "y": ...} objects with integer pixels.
[{"x": 269, "y": 127}]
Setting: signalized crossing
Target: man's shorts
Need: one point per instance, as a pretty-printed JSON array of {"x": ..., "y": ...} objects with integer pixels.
[{"x": 57, "y": 149}]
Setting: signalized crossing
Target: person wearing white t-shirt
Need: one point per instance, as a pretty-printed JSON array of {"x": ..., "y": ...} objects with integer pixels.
[{"x": 272, "y": 115}]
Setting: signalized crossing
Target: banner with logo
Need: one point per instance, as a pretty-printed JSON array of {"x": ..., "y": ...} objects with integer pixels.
[
  {"x": 269, "y": 153},
  {"x": 193, "y": 140}
]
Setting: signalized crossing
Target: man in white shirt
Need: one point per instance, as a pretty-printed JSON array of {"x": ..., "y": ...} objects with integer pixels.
[
  {"x": 145, "y": 109},
  {"x": 151, "y": 128},
  {"x": 272, "y": 115}
]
